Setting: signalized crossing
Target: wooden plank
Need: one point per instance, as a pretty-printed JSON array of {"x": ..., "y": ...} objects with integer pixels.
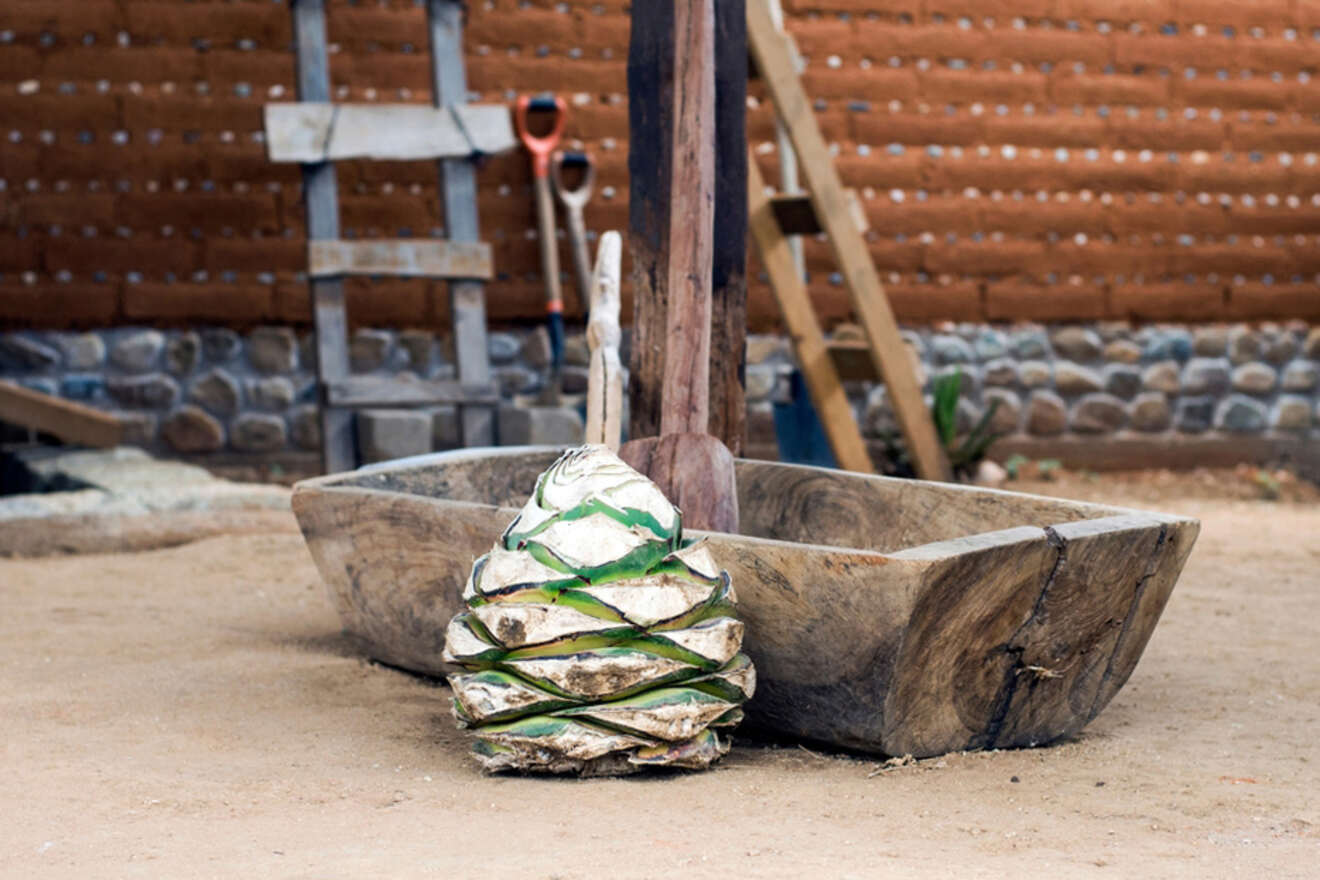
[
  {"x": 728, "y": 274},
  {"x": 605, "y": 371},
  {"x": 338, "y": 446},
  {"x": 458, "y": 185},
  {"x": 853, "y": 361},
  {"x": 69, "y": 421},
  {"x": 406, "y": 258},
  {"x": 309, "y": 131},
  {"x": 796, "y": 215},
  {"x": 775, "y": 62},
  {"x": 363, "y": 391},
  {"x": 827, "y": 392}
]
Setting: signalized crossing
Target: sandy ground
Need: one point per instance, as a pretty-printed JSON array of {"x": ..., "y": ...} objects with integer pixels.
[{"x": 192, "y": 712}]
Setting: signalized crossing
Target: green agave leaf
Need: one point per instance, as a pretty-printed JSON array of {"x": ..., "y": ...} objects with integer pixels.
[
  {"x": 635, "y": 563},
  {"x": 735, "y": 681},
  {"x": 546, "y": 739},
  {"x": 519, "y": 625},
  {"x": 710, "y": 644},
  {"x": 607, "y": 672},
  {"x": 667, "y": 713},
  {"x": 629, "y": 517},
  {"x": 467, "y": 642},
  {"x": 492, "y": 696},
  {"x": 695, "y": 754}
]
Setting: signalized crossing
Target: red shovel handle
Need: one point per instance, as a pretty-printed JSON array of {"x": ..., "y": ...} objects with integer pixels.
[{"x": 540, "y": 147}]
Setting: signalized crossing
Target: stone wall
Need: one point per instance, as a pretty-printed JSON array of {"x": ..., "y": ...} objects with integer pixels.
[{"x": 214, "y": 390}]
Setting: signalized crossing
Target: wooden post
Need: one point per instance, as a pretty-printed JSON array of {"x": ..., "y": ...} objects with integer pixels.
[
  {"x": 728, "y": 345},
  {"x": 605, "y": 378}
]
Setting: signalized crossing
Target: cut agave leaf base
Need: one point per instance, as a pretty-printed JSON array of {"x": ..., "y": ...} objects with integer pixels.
[{"x": 594, "y": 639}]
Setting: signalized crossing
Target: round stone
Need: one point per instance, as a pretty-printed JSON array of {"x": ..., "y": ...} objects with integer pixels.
[
  {"x": 273, "y": 349},
  {"x": 1030, "y": 344},
  {"x": 1194, "y": 414},
  {"x": 951, "y": 350},
  {"x": 1000, "y": 371},
  {"x": 1165, "y": 344},
  {"x": 1278, "y": 346},
  {"x": 1035, "y": 374},
  {"x": 153, "y": 391},
  {"x": 183, "y": 353},
  {"x": 1300, "y": 376},
  {"x": 83, "y": 351},
  {"x": 272, "y": 393},
  {"x": 137, "y": 352},
  {"x": 1076, "y": 343},
  {"x": 1210, "y": 341},
  {"x": 1007, "y": 410},
  {"x": 516, "y": 380},
  {"x": 760, "y": 382},
  {"x": 218, "y": 391},
  {"x": 305, "y": 427},
  {"x": 990, "y": 344},
  {"x": 1291, "y": 413},
  {"x": 257, "y": 432},
  {"x": 1098, "y": 414},
  {"x": 578, "y": 354},
  {"x": 1122, "y": 380},
  {"x": 503, "y": 347},
  {"x": 1206, "y": 376},
  {"x": 191, "y": 429},
  {"x": 1046, "y": 414},
  {"x": 535, "y": 349},
  {"x": 369, "y": 349},
  {"x": 1122, "y": 351},
  {"x": 1254, "y": 378},
  {"x": 1163, "y": 376},
  {"x": 1241, "y": 415},
  {"x": 419, "y": 346},
  {"x": 220, "y": 345},
  {"x": 1069, "y": 378},
  {"x": 1244, "y": 344},
  {"x": 1150, "y": 412}
]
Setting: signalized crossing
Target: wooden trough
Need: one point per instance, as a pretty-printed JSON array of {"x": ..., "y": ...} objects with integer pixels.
[{"x": 883, "y": 615}]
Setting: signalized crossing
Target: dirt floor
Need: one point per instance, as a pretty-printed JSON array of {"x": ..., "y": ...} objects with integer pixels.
[{"x": 192, "y": 712}]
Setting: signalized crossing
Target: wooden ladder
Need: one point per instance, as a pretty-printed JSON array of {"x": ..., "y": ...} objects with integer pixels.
[
  {"x": 835, "y": 215},
  {"x": 316, "y": 132}
]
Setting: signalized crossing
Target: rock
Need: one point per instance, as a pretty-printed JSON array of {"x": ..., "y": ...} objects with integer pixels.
[
  {"x": 990, "y": 474},
  {"x": 1122, "y": 380},
  {"x": 41, "y": 385},
  {"x": 968, "y": 380},
  {"x": 1311, "y": 347},
  {"x": 1111, "y": 331},
  {"x": 503, "y": 347},
  {"x": 577, "y": 354},
  {"x": 272, "y": 393},
  {"x": 369, "y": 349},
  {"x": 385, "y": 434},
  {"x": 1244, "y": 344},
  {"x": 1001, "y": 371},
  {"x": 1166, "y": 344},
  {"x": 965, "y": 416},
  {"x": 153, "y": 391},
  {"x": 1163, "y": 376},
  {"x": 760, "y": 382},
  {"x": 1291, "y": 413},
  {"x": 951, "y": 350},
  {"x": 183, "y": 353},
  {"x": 257, "y": 432},
  {"x": 1206, "y": 376},
  {"x": 218, "y": 391},
  {"x": 1194, "y": 414},
  {"x": 516, "y": 380},
  {"x": 536, "y": 348},
  {"x": 1278, "y": 347},
  {"x": 191, "y": 429},
  {"x": 1007, "y": 410},
  {"x": 1076, "y": 343},
  {"x": 1069, "y": 378},
  {"x": 767, "y": 349},
  {"x": 1098, "y": 414},
  {"x": 83, "y": 351},
  {"x": 1150, "y": 412},
  {"x": 27, "y": 354},
  {"x": 1241, "y": 415},
  {"x": 1122, "y": 351},
  {"x": 1210, "y": 341},
  {"x": 1254, "y": 378},
  {"x": 574, "y": 380},
  {"x": 82, "y": 386},
  {"x": 446, "y": 428},
  {"x": 307, "y": 349},
  {"x": 273, "y": 349},
  {"x": 539, "y": 425},
  {"x": 913, "y": 339},
  {"x": 139, "y": 428},
  {"x": 1030, "y": 344},
  {"x": 220, "y": 345},
  {"x": 990, "y": 344},
  {"x": 419, "y": 345},
  {"x": 1300, "y": 376},
  {"x": 1046, "y": 414},
  {"x": 138, "y": 352},
  {"x": 1035, "y": 374},
  {"x": 305, "y": 427},
  {"x": 878, "y": 417}
]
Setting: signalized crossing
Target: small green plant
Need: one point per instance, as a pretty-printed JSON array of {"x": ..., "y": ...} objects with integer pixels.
[
  {"x": 964, "y": 452},
  {"x": 1013, "y": 465},
  {"x": 1267, "y": 483}
]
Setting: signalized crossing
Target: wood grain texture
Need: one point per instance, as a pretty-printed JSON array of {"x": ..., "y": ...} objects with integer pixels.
[
  {"x": 695, "y": 472},
  {"x": 774, "y": 59},
  {"x": 360, "y": 391},
  {"x": 69, "y": 421},
  {"x": 836, "y": 413},
  {"x": 401, "y": 258},
  {"x": 310, "y": 131},
  {"x": 989, "y": 619},
  {"x": 605, "y": 370}
]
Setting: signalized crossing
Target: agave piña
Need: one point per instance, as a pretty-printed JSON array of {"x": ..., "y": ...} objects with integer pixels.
[{"x": 595, "y": 639}]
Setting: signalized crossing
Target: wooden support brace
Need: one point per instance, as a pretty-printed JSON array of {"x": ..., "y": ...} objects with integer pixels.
[
  {"x": 363, "y": 391},
  {"x": 405, "y": 258},
  {"x": 69, "y": 421},
  {"x": 309, "y": 131}
]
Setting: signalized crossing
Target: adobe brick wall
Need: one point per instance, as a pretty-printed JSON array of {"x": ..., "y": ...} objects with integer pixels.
[{"x": 1041, "y": 160}]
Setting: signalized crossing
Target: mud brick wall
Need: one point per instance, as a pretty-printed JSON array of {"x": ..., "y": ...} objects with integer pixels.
[{"x": 1044, "y": 160}]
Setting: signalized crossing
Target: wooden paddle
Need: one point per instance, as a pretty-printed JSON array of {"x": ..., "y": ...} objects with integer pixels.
[{"x": 692, "y": 468}]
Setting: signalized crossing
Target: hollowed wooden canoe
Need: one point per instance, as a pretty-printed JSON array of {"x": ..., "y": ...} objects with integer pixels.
[{"x": 884, "y": 615}]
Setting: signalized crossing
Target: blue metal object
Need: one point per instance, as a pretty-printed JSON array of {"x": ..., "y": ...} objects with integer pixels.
[{"x": 798, "y": 430}]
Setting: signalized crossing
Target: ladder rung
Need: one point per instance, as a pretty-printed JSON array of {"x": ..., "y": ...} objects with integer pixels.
[
  {"x": 309, "y": 132},
  {"x": 402, "y": 257},
  {"x": 796, "y": 215},
  {"x": 362, "y": 391},
  {"x": 853, "y": 361}
]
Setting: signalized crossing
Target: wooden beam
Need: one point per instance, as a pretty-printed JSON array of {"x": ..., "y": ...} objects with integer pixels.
[
  {"x": 728, "y": 319},
  {"x": 773, "y": 58},
  {"x": 361, "y": 391},
  {"x": 458, "y": 191},
  {"x": 309, "y": 131},
  {"x": 836, "y": 414},
  {"x": 406, "y": 258},
  {"x": 69, "y": 421},
  {"x": 321, "y": 193},
  {"x": 796, "y": 215}
]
